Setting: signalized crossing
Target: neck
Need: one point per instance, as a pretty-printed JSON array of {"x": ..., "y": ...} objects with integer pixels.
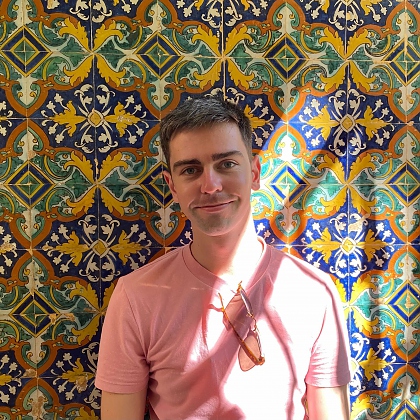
[{"x": 232, "y": 258}]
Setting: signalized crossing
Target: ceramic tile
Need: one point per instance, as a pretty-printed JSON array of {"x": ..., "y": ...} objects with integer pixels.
[
  {"x": 176, "y": 227},
  {"x": 412, "y": 400},
  {"x": 413, "y": 5},
  {"x": 265, "y": 120},
  {"x": 10, "y": 115},
  {"x": 373, "y": 81},
  {"x": 67, "y": 120},
  {"x": 182, "y": 84},
  {"x": 17, "y": 340},
  {"x": 48, "y": 35},
  {"x": 379, "y": 48},
  {"x": 381, "y": 157},
  {"x": 55, "y": 48},
  {"x": 414, "y": 236},
  {"x": 320, "y": 15},
  {"x": 413, "y": 265},
  {"x": 71, "y": 357},
  {"x": 272, "y": 225},
  {"x": 189, "y": 52},
  {"x": 77, "y": 10},
  {"x": 140, "y": 204},
  {"x": 323, "y": 258},
  {"x": 15, "y": 15},
  {"x": 413, "y": 343},
  {"x": 385, "y": 326},
  {"x": 372, "y": 131},
  {"x": 270, "y": 136},
  {"x": 131, "y": 105},
  {"x": 381, "y": 14},
  {"x": 65, "y": 200},
  {"x": 102, "y": 14},
  {"x": 185, "y": 11},
  {"x": 72, "y": 335},
  {"x": 320, "y": 126},
  {"x": 69, "y": 245},
  {"x": 380, "y": 208},
  {"x": 14, "y": 282},
  {"x": 128, "y": 151},
  {"x": 258, "y": 12},
  {"x": 256, "y": 31},
  {"x": 313, "y": 78},
  {"x": 260, "y": 82},
  {"x": 412, "y": 184},
  {"x": 11, "y": 395},
  {"x": 114, "y": 266},
  {"x": 271, "y": 197},
  {"x": 382, "y": 400},
  {"x": 137, "y": 76},
  {"x": 41, "y": 398},
  {"x": 376, "y": 332},
  {"x": 372, "y": 288},
  {"x": 412, "y": 145},
  {"x": 124, "y": 239}
]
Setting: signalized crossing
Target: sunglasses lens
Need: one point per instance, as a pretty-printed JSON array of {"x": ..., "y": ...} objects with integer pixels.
[
  {"x": 245, "y": 360},
  {"x": 239, "y": 316}
]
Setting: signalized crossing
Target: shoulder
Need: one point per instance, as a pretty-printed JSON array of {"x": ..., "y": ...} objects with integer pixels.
[
  {"x": 156, "y": 271},
  {"x": 153, "y": 282},
  {"x": 298, "y": 270},
  {"x": 292, "y": 276}
]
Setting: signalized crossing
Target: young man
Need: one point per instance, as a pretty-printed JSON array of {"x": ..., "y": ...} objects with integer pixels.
[{"x": 227, "y": 328}]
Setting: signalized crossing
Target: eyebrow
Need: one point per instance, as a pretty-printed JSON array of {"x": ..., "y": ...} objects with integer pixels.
[{"x": 215, "y": 157}]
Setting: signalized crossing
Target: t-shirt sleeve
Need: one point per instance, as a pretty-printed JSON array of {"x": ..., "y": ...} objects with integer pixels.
[
  {"x": 122, "y": 365},
  {"x": 329, "y": 365}
]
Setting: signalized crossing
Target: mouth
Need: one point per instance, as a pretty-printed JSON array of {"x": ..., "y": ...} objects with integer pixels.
[{"x": 212, "y": 207}]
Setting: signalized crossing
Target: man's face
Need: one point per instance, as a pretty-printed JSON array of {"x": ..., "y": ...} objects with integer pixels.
[{"x": 212, "y": 177}]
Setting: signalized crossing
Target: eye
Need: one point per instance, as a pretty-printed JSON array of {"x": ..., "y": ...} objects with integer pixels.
[
  {"x": 228, "y": 164},
  {"x": 189, "y": 171}
]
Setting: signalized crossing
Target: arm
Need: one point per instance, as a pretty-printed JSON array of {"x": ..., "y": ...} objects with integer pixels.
[
  {"x": 123, "y": 406},
  {"x": 328, "y": 403}
]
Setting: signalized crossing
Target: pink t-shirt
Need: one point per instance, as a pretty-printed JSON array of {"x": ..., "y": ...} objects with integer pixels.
[{"x": 164, "y": 330}]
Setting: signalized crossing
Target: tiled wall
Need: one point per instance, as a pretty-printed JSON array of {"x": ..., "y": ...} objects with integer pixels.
[{"x": 332, "y": 89}]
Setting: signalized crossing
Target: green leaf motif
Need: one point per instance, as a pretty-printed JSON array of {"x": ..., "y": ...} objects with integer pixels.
[
  {"x": 362, "y": 61},
  {"x": 51, "y": 67},
  {"x": 331, "y": 54},
  {"x": 329, "y": 179},
  {"x": 139, "y": 167},
  {"x": 385, "y": 199},
  {"x": 115, "y": 184},
  {"x": 242, "y": 58},
  {"x": 48, "y": 35},
  {"x": 416, "y": 161},
  {"x": 74, "y": 52},
  {"x": 112, "y": 54},
  {"x": 206, "y": 61}
]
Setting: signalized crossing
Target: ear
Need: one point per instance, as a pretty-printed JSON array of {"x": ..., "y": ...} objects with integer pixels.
[
  {"x": 256, "y": 172},
  {"x": 168, "y": 178}
]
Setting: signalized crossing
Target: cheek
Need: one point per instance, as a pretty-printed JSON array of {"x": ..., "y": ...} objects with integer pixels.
[
  {"x": 243, "y": 180},
  {"x": 182, "y": 194}
]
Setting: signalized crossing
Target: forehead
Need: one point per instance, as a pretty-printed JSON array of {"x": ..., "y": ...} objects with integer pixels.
[{"x": 207, "y": 140}]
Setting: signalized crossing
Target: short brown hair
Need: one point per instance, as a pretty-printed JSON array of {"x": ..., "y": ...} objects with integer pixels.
[{"x": 201, "y": 112}]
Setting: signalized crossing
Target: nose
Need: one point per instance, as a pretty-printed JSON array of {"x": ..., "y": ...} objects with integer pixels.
[{"x": 211, "y": 181}]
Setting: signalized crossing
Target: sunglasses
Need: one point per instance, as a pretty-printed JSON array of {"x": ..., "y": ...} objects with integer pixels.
[{"x": 250, "y": 353}]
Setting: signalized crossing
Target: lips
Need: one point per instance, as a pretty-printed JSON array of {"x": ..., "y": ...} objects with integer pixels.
[{"x": 212, "y": 205}]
